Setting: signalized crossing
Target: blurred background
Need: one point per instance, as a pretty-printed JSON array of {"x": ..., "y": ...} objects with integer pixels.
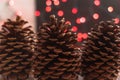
[{"x": 81, "y": 14}]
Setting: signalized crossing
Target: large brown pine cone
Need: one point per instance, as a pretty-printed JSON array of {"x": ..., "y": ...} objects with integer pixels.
[
  {"x": 58, "y": 59},
  {"x": 101, "y": 52},
  {"x": 16, "y": 49}
]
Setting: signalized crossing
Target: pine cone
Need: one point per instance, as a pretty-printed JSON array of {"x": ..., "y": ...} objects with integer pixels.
[
  {"x": 58, "y": 59},
  {"x": 101, "y": 57},
  {"x": 16, "y": 49}
]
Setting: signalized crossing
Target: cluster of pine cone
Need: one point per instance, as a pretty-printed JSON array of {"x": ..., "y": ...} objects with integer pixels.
[{"x": 51, "y": 54}]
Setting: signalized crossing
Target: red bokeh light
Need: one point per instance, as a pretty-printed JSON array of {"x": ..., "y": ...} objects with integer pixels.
[
  {"x": 64, "y": 0},
  {"x": 68, "y": 22},
  {"x": 56, "y": 2},
  {"x": 37, "y": 13},
  {"x": 74, "y": 28},
  {"x": 110, "y": 9},
  {"x": 78, "y": 21},
  {"x": 97, "y": 2},
  {"x": 116, "y": 20},
  {"x": 48, "y": 2},
  {"x": 84, "y": 35},
  {"x": 60, "y": 13},
  {"x": 95, "y": 15},
  {"x": 82, "y": 19},
  {"x": 79, "y": 37},
  {"x": 48, "y": 9},
  {"x": 74, "y": 10}
]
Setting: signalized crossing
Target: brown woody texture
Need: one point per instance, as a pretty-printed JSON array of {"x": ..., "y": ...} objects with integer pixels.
[
  {"x": 101, "y": 52},
  {"x": 16, "y": 49},
  {"x": 58, "y": 58}
]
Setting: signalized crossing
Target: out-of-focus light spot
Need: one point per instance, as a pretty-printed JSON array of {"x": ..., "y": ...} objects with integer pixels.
[
  {"x": 68, "y": 22},
  {"x": 84, "y": 35},
  {"x": 79, "y": 39},
  {"x": 64, "y": 0},
  {"x": 74, "y": 28},
  {"x": 56, "y": 2},
  {"x": 60, "y": 13},
  {"x": 97, "y": 2},
  {"x": 48, "y": 2},
  {"x": 79, "y": 35},
  {"x": 48, "y": 9},
  {"x": 82, "y": 19},
  {"x": 74, "y": 10},
  {"x": 37, "y": 13},
  {"x": 117, "y": 20},
  {"x": 19, "y": 13},
  {"x": 78, "y": 21},
  {"x": 110, "y": 9},
  {"x": 95, "y": 16},
  {"x": 11, "y": 2}
]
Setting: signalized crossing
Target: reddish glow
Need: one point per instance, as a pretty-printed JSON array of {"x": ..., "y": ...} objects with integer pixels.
[
  {"x": 48, "y": 2},
  {"x": 37, "y": 13},
  {"x": 48, "y": 9},
  {"x": 84, "y": 35},
  {"x": 60, "y": 13},
  {"x": 74, "y": 28},
  {"x": 11, "y": 2},
  {"x": 95, "y": 15},
  {"x": 56, "y": 2},
  {"x": 78, "y": 21},
  {"x": 74, "y": 10},
  {"x": 68, "y": 22},
  {"x": 110, "y": 9},
  {"x": 19, "y": 13},
  {"x": 116, "y": 20},
  {"x": 97, "y": 2},
  {"x": 64, "y": 0},
  {"x": 79, "y": 37},
  {"x": 82, "y": 19}
]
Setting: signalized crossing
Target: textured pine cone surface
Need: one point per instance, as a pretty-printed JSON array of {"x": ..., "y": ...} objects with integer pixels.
[
  {"x": 57, "y": 59},
  {"x": 101, "y": 52},
  {"x": 16, "y": 49}
]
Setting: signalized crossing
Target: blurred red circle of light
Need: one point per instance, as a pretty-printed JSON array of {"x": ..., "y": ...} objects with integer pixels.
[
  {"x": 82, "y": 19},
  {"x": 37, "y": 13},
  {"x": 48, "y": 9},
  {"x": 78, "y": 21},
  {"x": 60, "y": 13},
  {"x": 117, "y": 20},
  {"x": 48, "y": 2},
  {"x": 97, "y": 2},
  {"x": 19, "y": 13},
  {"x": 74, "y": 28},
  {"x": 95, "y": 15},
  {"x": 74, "y": 10},
  {"x": 64, "y": 0},
  {"x": 79, "y": 37},
  {"x": 110, "y": 9},
  {"x": 56, "y": 2},
  {"x": 84, "y": 35},
  {"x": 68, "y": 22}
]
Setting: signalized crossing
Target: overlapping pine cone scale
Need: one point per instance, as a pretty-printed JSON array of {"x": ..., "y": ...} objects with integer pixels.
[
  {"x": 105, "y": 64},
  {"x": 58, "y": 60},
  {"x": 16, "y": 54}
]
